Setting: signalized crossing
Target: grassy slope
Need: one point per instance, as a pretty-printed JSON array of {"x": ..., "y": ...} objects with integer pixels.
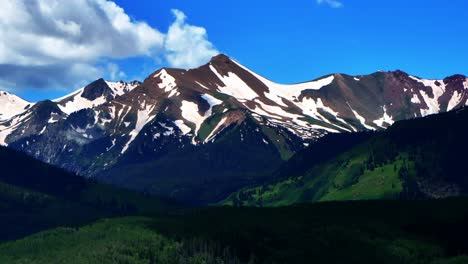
[
  {"x": 343, "y": 178},
  {"x": 413, "y": 159},
  {"x": 429, "y": 232}
]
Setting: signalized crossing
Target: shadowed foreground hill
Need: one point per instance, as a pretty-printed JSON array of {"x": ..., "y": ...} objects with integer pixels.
[{"x": 35, "y": 195}]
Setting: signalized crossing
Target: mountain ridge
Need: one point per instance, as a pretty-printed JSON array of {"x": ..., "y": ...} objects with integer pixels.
[{"x": 222, "y": 106}]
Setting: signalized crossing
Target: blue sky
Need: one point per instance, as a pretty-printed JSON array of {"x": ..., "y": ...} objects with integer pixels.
[{"x": 294, "y": 41}]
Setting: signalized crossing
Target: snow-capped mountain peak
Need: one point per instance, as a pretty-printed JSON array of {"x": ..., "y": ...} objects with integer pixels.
[
  {"x": 94, "y": 94},
  {"x": 11, "y": 105}
]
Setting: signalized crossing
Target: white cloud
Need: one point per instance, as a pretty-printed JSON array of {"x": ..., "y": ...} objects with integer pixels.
[
  {"x": 44, "y": 32},
  {"x": 58, "y": 44},
  {"x": 187, "y": 45},
  {"x": 331, "y": 3}
]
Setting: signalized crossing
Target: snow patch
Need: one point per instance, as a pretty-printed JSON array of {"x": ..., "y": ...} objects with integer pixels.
[
  {"x": 234, "y": 86},
  {"x": 169, "y": 130},
  {"x": 52, "y": 120},
  {"x": 212, "y": 101},
  {"x": 310, "y": 107},
  {"x": 275, "y": 110},
  {"x": 167, "y": 81},
  {"x": 415, "y": 99},
  {"x": 112, "y": 146},
  {"x": 189, "y": 111},
  {"x": 325, "y": 128},
  {"x": 42, "y": 131},
  {"x": 384, "y": 119},
  {"x": 202, "y": 86},
  {"x": 437, "y": 91},
  {"x": 361, "y": 119},
  {"x": 454, "y": 101},
  {"x": 172, "y": 93},
  {"x": 143, "y": 117},
  {"x": 182, "y": 126}
]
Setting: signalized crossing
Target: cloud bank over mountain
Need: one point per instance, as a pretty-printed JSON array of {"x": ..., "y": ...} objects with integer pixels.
[{"x": 56, "y": 44}]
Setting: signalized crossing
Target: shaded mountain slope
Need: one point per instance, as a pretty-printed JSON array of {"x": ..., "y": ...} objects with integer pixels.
[{"x": 35, "y": 196}]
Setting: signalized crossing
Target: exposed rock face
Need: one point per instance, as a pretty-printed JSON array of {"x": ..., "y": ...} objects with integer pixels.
[{"x": 97, "y": 89}]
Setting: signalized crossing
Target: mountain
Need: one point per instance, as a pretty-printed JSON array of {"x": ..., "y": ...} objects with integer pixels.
[
  {"x": 197, "y": 135},
  {"x": 413, "y": 159}
]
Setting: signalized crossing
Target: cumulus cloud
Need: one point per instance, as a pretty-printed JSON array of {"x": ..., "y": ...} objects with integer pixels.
[
  {"x": 46, "y": 31},
  {"x": 187, "y": 45},
  {"x": 331, "y": 3},
  {"x": 59, "y": 44}
]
